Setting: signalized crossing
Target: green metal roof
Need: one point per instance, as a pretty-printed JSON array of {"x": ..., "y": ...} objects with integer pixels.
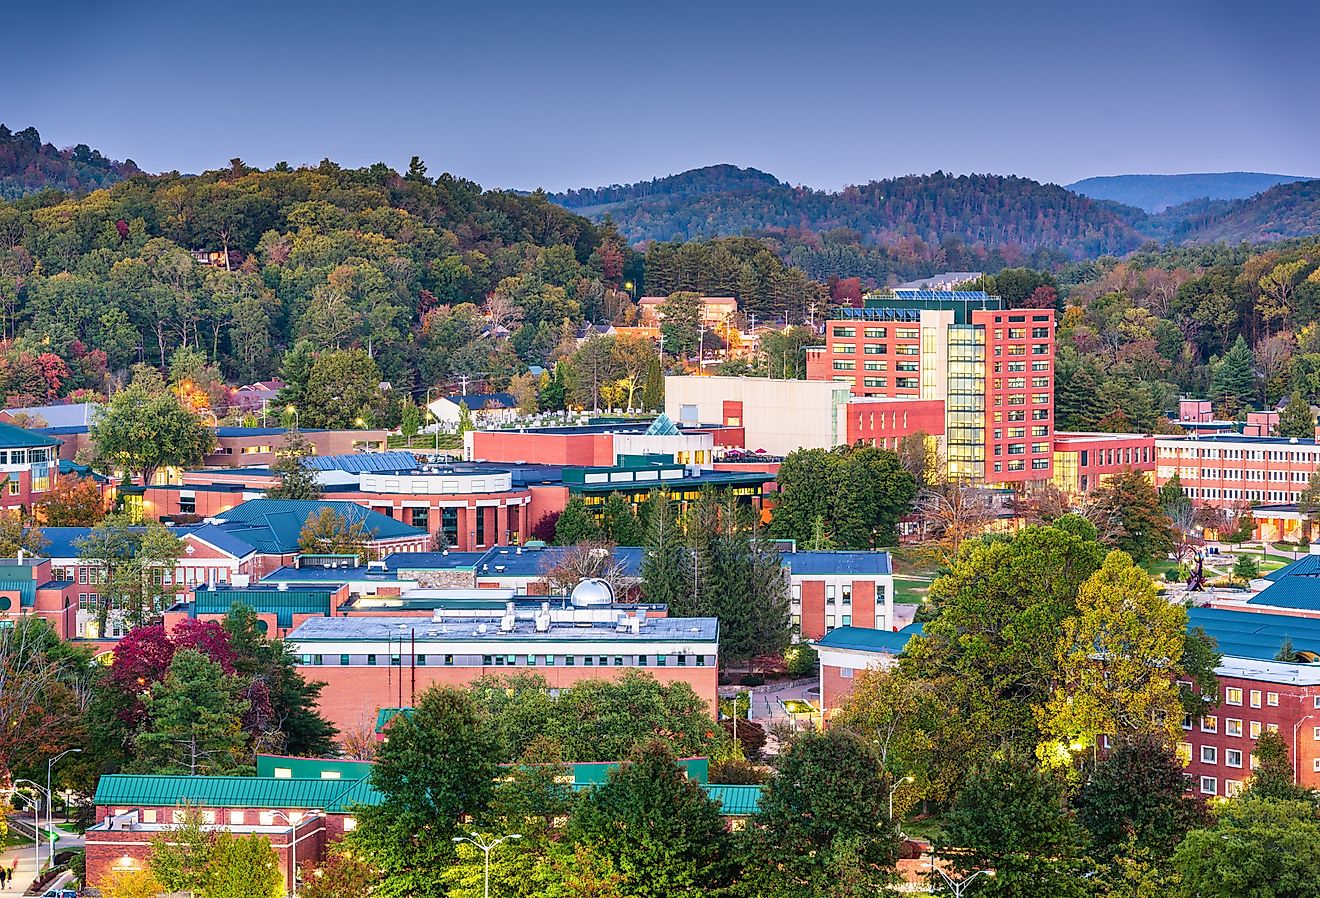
[
  {"x": 333, "y": 796},
  {"x": 273, "y": 526},
  {"x": 14, "y": 437},
  {"x": 283, "y": 603},
  {"x": 26, "y": 590},
  {"x": 735, "y": 801},
  {"x": 385, "y": 715}
]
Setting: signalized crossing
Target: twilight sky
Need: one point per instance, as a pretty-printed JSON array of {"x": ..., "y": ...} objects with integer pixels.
[{"x": 522, "y": 93}]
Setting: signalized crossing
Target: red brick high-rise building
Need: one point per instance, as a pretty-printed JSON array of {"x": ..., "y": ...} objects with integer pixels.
[{"x": 992, "y": 366}]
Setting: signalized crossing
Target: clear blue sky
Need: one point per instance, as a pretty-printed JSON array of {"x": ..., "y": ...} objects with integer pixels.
[{"x": 564, "y": 94}]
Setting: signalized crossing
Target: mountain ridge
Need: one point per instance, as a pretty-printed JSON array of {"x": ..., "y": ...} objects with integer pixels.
[{"x": 1156, "y": 193}]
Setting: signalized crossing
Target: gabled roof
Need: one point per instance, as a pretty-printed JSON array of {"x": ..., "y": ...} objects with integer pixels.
[
  {"x": 836, "y": 563},
  {"x": 72, "y": 414},
  {"x": 12, "y": 437},
  {"x": 222, "y": 539},
  {"x": 1296, "y": 585},
  {"x": 862, "y": 639},
  {"x": 332, "y": 796},
  {"x": 272, "y": 526},
  {"x": 476, "y": 401}
]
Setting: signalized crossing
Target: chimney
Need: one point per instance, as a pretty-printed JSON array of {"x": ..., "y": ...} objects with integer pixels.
[{"x": 20, "y": 556}]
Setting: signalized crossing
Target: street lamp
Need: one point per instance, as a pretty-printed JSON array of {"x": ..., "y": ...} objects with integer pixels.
[
  {"x": 293, "y": 847},
  {"x": 895, "y": 788},
  {"x": 50, "y": 800},
  {"x": 36, "y": 814},
  {"x": 959, "y": 886},
  {"x": 36, "y": 830},
  {"x": 486, "y": 847}
]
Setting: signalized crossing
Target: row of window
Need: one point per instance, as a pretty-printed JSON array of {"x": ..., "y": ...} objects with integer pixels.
[
  {"x": 1037, "y": 464},
  {"x": 680, "y": 660}
]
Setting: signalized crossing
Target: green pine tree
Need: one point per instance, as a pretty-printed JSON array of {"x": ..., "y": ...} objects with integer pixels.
[
  {"x": 297, "y": 478},
  {"x": 1233, "y": 383},
  {"x": 576, "y": 524},
  {"x": 664, "y": 561},
  {"x": 619, "y": 523},
  {"x": 653, "y": 391},
  {"x": 194, "y": 720},
  {"x": 1296, "y": 420}
]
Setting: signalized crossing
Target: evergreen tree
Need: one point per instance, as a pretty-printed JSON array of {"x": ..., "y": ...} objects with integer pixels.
[
  {"x": 664, "y": 560},
  {"x": 553, "y": 393},
  {"x": 1137, "y": 796},
  {"x": 824, "y": 809},
  {"x": 1010, "y": 818},
  {"x": 194, "y": 720},
  {"x": 619, "y": 524},
  {"x": 576, "y": 524},
  {"x": 297, "y": 478},
  {"x": 1296, "y": 420},
  {"x": 1233, "y": 383},
  {"x": 657, "y": 827},
  {"x": 465, "y": 422},
  {"x": 1078, "y": 405},
  {"x": 1132, "y": 502},
  {"x": 653, "y": 390},
  {"x": 438, "y": 766}
]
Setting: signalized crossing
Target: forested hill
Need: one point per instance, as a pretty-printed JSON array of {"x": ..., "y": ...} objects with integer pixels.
[
  {"x": 27, "y": 166},
  {"x": 1288, "y": 210},
  {"x": 985, "y": 210},
  {"x": 1155, "y": 193},
  {"x": 698, "y": 181}
]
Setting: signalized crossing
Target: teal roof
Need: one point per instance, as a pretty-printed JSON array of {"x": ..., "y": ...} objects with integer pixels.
[
  {"x": 272, "y": 526},
  {"x": 385, "y": 715},
  {"x": 123, "y": 790},
  {"x": 26, "y": 590},
  {"x": 735, "y": 801},
  {"x": 867, "y": 640},
  {"x": 283, "y": 603},
  {"x": 1254, "y": 635},
  {"x": 1296, "y": 585},
  {"x": 14, "y": 437}
]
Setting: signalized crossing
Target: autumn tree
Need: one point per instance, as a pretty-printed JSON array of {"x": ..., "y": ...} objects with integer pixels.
[
  {"x": 1132, "y": 501},
  {"x": 328, "y": 532},
  {"x": 72, "y": 502},
  {"x": 17, "y": 534}
]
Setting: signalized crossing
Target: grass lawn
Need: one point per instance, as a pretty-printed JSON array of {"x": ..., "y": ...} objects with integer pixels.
[
  {"x": 425, "y": 442},
  {"x": 1158, "y": 567},
  {"x": 910, "y": 590},
  {"x": 926, "y": 829}
]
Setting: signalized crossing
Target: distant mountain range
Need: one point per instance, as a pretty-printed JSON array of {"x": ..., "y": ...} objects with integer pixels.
[
  {"x": 27, "y": 166},
  {"x": 1155, "y": 193},
  {"x": 937, "y": 217},
  {"x": 987, "y": 211}
]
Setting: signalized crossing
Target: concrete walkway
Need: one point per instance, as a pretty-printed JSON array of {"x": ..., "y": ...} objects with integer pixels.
[{"x": 25, "y": 857}]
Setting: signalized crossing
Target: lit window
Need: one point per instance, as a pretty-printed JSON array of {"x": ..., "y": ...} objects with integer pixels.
[
  {"x": 1232, "y": 696},
  {"x": 1255, "y": 698},
  {"x": 1233, "y": 727},
  {"x": 1210, "y": 724},
  {"x": 1255, "y": 729},
  {"x": 1272, "y": 699}
]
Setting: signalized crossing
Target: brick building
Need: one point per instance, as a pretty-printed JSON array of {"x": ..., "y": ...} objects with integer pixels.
[
  {"x": 29, "y": 466},
  {"x": 1231, "y": 470},
  {"x": 831, "y": 590},
  {"x": 993, "y": 368},
  {"x": 1083, "y": 461}
]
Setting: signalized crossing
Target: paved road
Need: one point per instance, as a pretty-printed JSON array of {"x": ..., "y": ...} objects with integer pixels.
[{"x": 25, "y": 858}]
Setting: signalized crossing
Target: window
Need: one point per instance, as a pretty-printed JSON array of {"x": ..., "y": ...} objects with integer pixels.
[
  {"x": 1233, "y": 727},
  {"x": 1255, "y": 729},
  {"x": 330, "y": 774},
  {"x": 1210, "y": 724},
  {"x": 1232, "y": 757},
  {"x": 1209, "y": 785},
  {"x": 845, "y": 331},
  {"x": 283, "y": 773},
  {"x": 149, "y": 815},
  {"x": 682, "y": 660},
  {"x": 1209, "y": 754},
  {"x": 1232, "y": 788},
  {"x": 1232, "y": 696},
  {"x": 343, "y": 661},
  {"x": 1184, "y": 752},
  {"x": 350, "y": 824},
  {"x": 1272, "y": 699},
  {"x": 1255, "y": 698}
]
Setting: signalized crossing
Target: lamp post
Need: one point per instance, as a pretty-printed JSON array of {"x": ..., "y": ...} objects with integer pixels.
[
  {"x": 293, "y": 847},
  {"x": 36, "y": 813},
  {"x": 895, "y": 788},
  {"x": 959, "y": 886},
  {"x": 486, "y": 847},
  {"x": 36, "y": 830},
  {"x": 50, "y": 799}
]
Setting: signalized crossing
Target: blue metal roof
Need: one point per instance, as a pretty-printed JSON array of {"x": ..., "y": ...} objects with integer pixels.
[
  {"x": 837, "y": 563},
  {"x": 272, "y": 526},
  {"x": 865, "y": 640},
  {"x": 223, "y": 540},
  {"x": 1256, "y": 635},
  {"x": 359, "y": 462},
  {"x": 1296, "y": 585},
  {"x": 534, "y": 562}
]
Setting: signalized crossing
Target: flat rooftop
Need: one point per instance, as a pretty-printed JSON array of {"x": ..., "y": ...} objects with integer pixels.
[{"x": 383, "y": 629}]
